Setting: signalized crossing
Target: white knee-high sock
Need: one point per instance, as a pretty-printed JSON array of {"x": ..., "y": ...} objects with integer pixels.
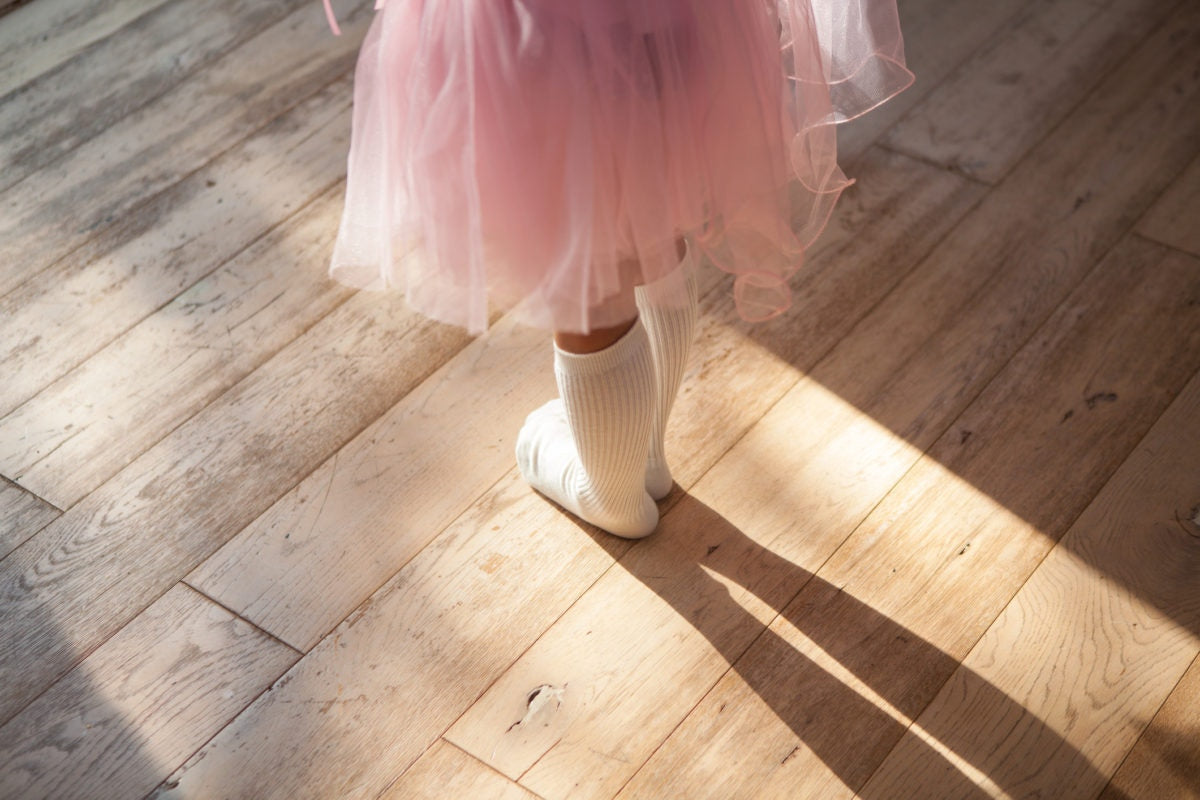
[
  {"x": 670, "y": 323},
  {"x": 587, "y": 451}
]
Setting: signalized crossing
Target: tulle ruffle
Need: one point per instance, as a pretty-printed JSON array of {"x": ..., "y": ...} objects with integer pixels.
[{"x": 539, "y": 154}]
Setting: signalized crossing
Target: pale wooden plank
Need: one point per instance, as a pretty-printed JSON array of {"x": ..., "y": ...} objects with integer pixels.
[
  {"x": 36, "y": 38},
  {"x": 445, "y": 771},
  {"x": 104, "y": 184},
  {"x": 1027, "y": 78},
  {"x": 76, "y": 102},
  {"x": 84, "y": 428},
  {"x": 371, "y": 697},
  {"x": 913, "y": 365},
  {"x": 95, "y": 567},
  {"x": 1089, "y": 648},
  {"x": 1166, "y": 760},
  {"x": 65, "y": 314},
  {"x": 117, "y": 724},
  {"x": 938, "y": 36},
  {"x": 1175, "y": 218},
  {"x": 22, "y": 514},
  {"x": 907, "y": 595},
  {"x": 294, "y": 573},
  {"x": 513, "y": 563}
]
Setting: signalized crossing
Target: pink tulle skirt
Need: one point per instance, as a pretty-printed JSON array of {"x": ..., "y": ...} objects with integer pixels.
[{"x": 538, "y": 155}]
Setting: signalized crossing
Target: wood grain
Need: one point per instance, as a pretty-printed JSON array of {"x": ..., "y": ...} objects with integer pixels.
[
  {"x": 1175, "y": 218},
  {"x": 907, "y": 595},
  {"x": 147, "y": 698},
  {"x": 38, "y": 37},
  {"x": 938, "y": 36},
  {"x": 1001, "y": 102},
  {"x": 1165, "y": 762},
  {"x": 80, "y": 99},
  {"x": 912, "y": 366},
  {"x": 295, "y": 573},
  {"x": 159, "y": 144},
  {"x": 372, "y": 696},
  {"x": 79, "y": 431},
  {"x": 66, "y": 313},
  {"x": 513, "y": 590},
  {"x": 179, "y": 502},
  {"x": 1092, "y": 644},
  {"x": 445, "y": 771},
  {"x": 22, "y": 514}
]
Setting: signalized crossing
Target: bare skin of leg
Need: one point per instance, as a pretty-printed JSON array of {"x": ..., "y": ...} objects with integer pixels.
[{"x": 601, "y": 338}]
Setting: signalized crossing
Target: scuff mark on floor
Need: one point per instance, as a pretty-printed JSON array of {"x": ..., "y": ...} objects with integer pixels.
[{"x": 540, "y": 705}]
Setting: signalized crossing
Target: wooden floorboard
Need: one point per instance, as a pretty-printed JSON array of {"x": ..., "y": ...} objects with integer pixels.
[
  {"x": 154, "y": 521},
  {"x": 66, "y": 107},
  {"x": 164, "y": 319},
  {"x": 150, "y": 150},
  {"x": 1060, "y": 687},
  {"x": 42, "y": 35},
  {"x": 1166, "y": 760},
  {"x": 1173, "y": 219},
  {"x": 445, "y": 771},
  {"x": 22, "y": 514},
  {"x": 933, "y": 534},
  {"x": 151, "y": 695},
  {"x": 996, "y": 106},
  {"x": 938, "y": 37}
]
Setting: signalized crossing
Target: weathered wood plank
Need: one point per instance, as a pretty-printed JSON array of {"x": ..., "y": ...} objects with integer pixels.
[
  {"x": 54, "y": 322},
  {"x": 38, "y": 37},
  {"x": 117, "y": 724},
  {"x": 445, "y": 771},
  {"x": 293, "y": 574},
  {"x": 95, "y": 567},
  {"x": 372, "y": 696},
  {"x": 1089, "y": 648},
  {"x": 938, "y": 36},
  {"x": 84, "y": 428},
  {"x": 1027, "y": 78},
  {"x": 1166, "y": 760},
  {"x": 400, "y": 482},
  {"x": 22, "y": 514},
  {"x": 912, "y": 365},
  {"x": 99, "y": 185},
  {"x": 905, "y": 597},
  {"x": 1175, "y": 218},
  {"x": 514, "y": 561},
  {"x": 74, "y": 103}
]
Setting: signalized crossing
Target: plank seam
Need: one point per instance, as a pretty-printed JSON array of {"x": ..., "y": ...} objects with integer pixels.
[
  {"x": 316, "y": 197},
  {"x": 13, "y": 6},
  {"x": 1090, "y": 91},
  {"x": 299, "y": 99},
  {"x": 1145, "y": 237},
  {"x": 251, "y": 701},
  {"x": 13, "y": 483},
  {"x": 923, "y": 96},
  {"x": 1067, "y": 525},
  {"x": 929, "y": 162},
  {"x": 250, "y": 622},
  {"x": 1116, "y": 771},
  {"x": 188, "y": 567}
]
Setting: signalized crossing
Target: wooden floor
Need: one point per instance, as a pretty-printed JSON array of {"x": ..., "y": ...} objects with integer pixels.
[{"x": 936, "y": 533}]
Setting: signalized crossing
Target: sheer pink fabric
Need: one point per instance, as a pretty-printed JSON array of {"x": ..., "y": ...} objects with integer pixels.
[{"x": 537, "y": 154}]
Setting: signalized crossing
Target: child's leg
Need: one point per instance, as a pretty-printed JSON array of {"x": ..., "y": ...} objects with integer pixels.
[
  {"x": 588, "y": 452},
  {"x": 670, "y": 322}
]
